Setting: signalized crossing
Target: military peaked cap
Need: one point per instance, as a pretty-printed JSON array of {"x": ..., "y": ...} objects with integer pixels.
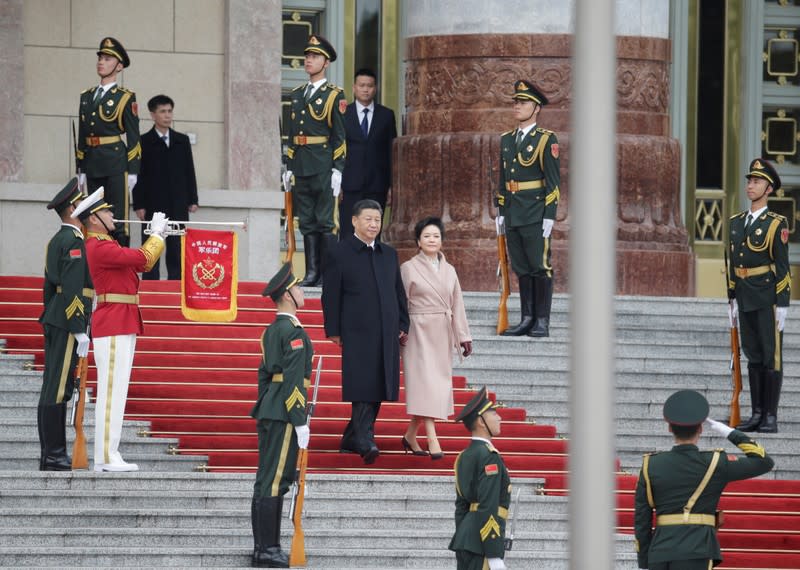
[
  {"x": 281, "y": 282},
  {"x": 94, "y": 203},
  {"x": 764, "y": 169},
  {"x": 69, "y": 194},
  {"x": 477, "y": 406},
  {"x": 318, "y": 44},
  {"x": 111, "y": 46},
  {"x": 526, "y": 90},
  {"x": 686, "y": 408}
]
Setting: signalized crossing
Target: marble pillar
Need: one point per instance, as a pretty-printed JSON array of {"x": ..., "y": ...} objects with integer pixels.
[
  {"x": 460, "y": 67},
  {"x": 12, "y": 117}
]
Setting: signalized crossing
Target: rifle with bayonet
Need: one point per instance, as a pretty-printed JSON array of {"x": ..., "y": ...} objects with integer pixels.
[
  {"x": 287, "y": 202},
  {"x": 736, "y": 364},
  {"x": 75, "y": 153},
  {"x": 508, "y": 541},
  {"x": 80, "y": 459},
  {"x": 502, "y": 270},
  {"x": 297, "y": 555}
]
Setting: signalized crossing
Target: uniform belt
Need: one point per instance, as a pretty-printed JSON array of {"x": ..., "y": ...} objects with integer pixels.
[
  {"x": 667, "y": 520},
  {"x": 502, "y": 512},
  {"x": 97, "y": 141},
  {"x": 279, "y": 378},
  {"x": 118, "y": 298},
  {"x": 86, "y": 292},
  {"x": 303, "y": 140},
  {"x": 513, "y": 186},
  {"x": 743, "y": 272}
]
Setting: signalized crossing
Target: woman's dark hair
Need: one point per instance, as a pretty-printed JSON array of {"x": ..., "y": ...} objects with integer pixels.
[{"x": 429, "y": 221}]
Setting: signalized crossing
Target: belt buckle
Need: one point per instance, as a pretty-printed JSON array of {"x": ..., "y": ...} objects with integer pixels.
[
  {"x": 302, "y": 140},
  {"x": 94, "y": 141},
  {"x": 513, "y": 186}
]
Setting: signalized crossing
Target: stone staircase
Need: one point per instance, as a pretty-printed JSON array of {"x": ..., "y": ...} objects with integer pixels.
[{"x": 168, "y": 515}]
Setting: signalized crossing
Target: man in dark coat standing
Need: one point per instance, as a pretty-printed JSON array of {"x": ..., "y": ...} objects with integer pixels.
[
  {"x": 167, "y": 181},
  {"x": 366, "y": 313},
  {"x": 369, "y": 130}
]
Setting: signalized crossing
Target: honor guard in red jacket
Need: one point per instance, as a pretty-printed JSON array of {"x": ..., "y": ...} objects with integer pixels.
[{"x": 116, "y": 320}]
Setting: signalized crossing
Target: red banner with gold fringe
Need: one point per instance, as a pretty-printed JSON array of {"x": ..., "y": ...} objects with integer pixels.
[{"x": 210, "y": 275}]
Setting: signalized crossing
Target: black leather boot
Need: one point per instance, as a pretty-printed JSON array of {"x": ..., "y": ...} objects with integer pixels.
[
  {"x": 326, "y": 241},
  {"x": 755, "y": 374},
  {"x": 772, "y": 394},
  {"x": 311, "y": 250},
  {"x": 543, "y": 298},
  {"x": 269, "y": 555},
  {"x": 55, "y": 439},
  {"x": 39, "y": 422},
  {"x": 526, "y": 308},
  {"x": 256, "y": 536}
]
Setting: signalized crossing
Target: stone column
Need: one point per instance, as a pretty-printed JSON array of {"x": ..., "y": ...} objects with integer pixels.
[
  {"x": 12, "y": 118},
  {"x": 252, "y": 109},
  {"x": 460, "y": 67}
]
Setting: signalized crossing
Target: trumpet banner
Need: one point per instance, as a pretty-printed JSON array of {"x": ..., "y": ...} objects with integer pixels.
[{"x": 210, "y": 275}]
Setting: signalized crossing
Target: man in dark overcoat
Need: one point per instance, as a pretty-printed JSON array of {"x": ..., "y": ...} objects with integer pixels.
[{"x": 366, "y": 313}]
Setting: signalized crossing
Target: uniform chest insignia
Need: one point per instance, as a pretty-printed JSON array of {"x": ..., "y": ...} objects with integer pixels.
[
  {"x": 293, "y": 116},
  {"x": 758, "y": 232},
  {"x": 529, "y": 148},
  {"x": 114, "y": 90},
  {"x": 110, "y": 102},
  {"x": 318, "y": 101}
]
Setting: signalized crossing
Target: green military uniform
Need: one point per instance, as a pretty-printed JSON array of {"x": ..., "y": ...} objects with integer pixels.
[
  {"x": 685, "y": 536},
  {"x": 316, "y": 146},
  {"x": 283, "y": 380},
  {"x": 483, "y": 494},
  {"x": 68, "y": 293},
  {"x": 759, "y": 280},
  {"x": 528, "y": 193},
  {"x": 102, "y": 154}
]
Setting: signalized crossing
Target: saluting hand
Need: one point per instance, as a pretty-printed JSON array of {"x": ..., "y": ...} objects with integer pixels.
[{"x": 717, "y": 428}]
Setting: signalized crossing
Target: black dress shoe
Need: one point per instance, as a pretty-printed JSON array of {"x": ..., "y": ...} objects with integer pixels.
[{"x": 371, "y": 455}]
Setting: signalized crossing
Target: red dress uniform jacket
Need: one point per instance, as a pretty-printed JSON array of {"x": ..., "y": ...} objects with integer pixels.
[{"x": 114, "y": 271}]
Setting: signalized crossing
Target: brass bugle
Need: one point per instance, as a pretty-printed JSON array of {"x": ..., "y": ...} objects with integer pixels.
[{"x": 174, "y": 227}]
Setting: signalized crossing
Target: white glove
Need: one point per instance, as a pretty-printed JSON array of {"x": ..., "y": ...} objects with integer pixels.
[
  {"x": 287, "y": 180},
  {"x": 336, "y": 182},
  {"x": 498, "y": 224},
  {"x": 81, "y": 180},
  {"x": 780, "y": 316},
  {"x": 132, "y": 179},
  {"x": 496, "y": 564},
  {"x": 83, "y": 344},
  {"x": 717, "y": 428},
  {"x": 158, "y": 225},
  {"x": 303, "y": 435},
  {"x": 733, "y": 313},
  {"x": 547, "y": 227}
]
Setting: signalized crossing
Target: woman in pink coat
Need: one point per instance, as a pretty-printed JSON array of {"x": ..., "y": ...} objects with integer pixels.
[{"x": 438, "y": 328}]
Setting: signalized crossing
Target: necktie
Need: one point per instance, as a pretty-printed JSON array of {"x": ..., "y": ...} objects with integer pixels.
[
  {"x": 519, "y": 137},
  {"x": 98, "y": 95},
  {"x": 309, "y": 90},
  {"x": 365, "y": 123},
  {"x": 748, "y": 221},
  {"x": 165, "y": 139}
]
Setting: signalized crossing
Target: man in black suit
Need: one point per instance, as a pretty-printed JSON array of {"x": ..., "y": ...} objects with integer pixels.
[
  {"x": 366, "y": 313},
  {"x": 369, "y": 131},
  {"x": 167, "y": 181}
]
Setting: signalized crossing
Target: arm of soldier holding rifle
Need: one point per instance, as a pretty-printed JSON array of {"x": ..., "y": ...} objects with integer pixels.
[
  {"x": 297, "y": 556},
  {"x": 736, "y": 365}
]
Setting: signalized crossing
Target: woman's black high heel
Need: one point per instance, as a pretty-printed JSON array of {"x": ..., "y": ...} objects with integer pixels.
[
  {"x": 435, "y": 456},
  {"x": 407, "y": 448}
]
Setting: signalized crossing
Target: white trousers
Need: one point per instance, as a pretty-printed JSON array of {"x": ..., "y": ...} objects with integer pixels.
[{"x": 113, "y": 356}]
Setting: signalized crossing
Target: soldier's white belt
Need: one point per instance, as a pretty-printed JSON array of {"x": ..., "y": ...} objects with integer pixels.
[
  {"x": 513, "y": 186},
  {"x": 279, "y": 378},
  {"x": 86, "y": 292},
  {"x": 668, "y": 520},
  {"x": 97, "y": 141},
  {"x": 743, "y": 272},
  {"x": 502, "y": 512},
  {"x": 303, "y": 140},
  {"x": 118, "y": 298}
]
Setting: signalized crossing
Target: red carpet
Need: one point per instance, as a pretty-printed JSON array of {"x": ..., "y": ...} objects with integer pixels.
[{"x": 196, "y": 382}]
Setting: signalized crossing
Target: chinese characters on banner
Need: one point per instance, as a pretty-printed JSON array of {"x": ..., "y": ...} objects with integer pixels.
[{"x": 210, "y": 275}]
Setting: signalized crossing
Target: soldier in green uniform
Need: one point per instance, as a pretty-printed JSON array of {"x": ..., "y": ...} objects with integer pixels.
[
  {"x": 280, "y": 411},
  {"x": 107, "y": 112},
  {"x": 483, "y": 491},
  {"x": 683, "y": 487},
  {"x": 527, "y": 199},
  {"x": 758, "y": 289},
  {"x": 68, "y": 293},
  {"x": 316, "y": 155}
]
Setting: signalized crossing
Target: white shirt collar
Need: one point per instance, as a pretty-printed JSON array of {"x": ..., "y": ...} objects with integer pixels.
[
  {"x": 527, "y": 129},
  {"x": 160, "y": 134},
  {"x": 319, "y": 83},
  {"x": 105, "y": 88},
  {"x": 360, "y": 108},
  {"x": 757, "y": 213}
]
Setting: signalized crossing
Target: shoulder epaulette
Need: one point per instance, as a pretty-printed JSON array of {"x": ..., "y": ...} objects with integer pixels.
[
  {"x": 296, "y": 322},
  {"x": 652, "y": 453},
  {"x": 738, "y": 215},
  {"x": 508, "y": 132},
  {"x": 124, "y": 90},
  {"x": 543, "y": 130},
  {"x": 776, "y": 215},
  {"x": 333, "y": 87},
  {"x": 78, "y": 234},
  {"x": 300, "y": 87},
  {"x": 491, "y": 448},
  {"x": 86, "y": 90}
]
